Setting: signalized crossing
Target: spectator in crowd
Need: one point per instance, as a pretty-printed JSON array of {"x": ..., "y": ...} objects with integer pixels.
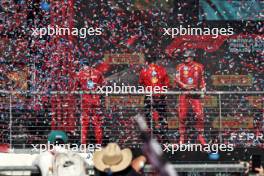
[
  {"x": 113, "y": 161},
  {"x": 59, "y": 161}
]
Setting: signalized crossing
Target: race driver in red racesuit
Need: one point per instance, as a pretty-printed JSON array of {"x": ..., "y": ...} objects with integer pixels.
[
  {"x": 89, "y": 79},
  {"x": 154, "y": 75},
  {"x": 190, "y": 77}
]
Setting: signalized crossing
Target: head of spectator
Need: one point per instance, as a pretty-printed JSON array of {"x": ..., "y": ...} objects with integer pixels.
[
  {"x": 57, "y": 137},
  {"x": 113, "y": 161}
]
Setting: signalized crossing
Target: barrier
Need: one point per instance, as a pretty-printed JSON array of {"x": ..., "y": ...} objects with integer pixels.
[
  {"x": 229, "y": 117},
  {"x": 190, "y": 168}
]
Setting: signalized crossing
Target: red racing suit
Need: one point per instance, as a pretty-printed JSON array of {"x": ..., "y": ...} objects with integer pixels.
[
  {"x": 89, "y": 79},
  {"x": 155, "y": 76},
  {"x": 190, "y": 77}
]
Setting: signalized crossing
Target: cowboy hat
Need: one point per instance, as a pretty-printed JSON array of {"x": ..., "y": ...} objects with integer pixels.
[{"x": 112, "y": 158}]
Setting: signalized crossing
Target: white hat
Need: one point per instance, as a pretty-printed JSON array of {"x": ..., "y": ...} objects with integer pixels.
[{"x": 113, "y": 158}]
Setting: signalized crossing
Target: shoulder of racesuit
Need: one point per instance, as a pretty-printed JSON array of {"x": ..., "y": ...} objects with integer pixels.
[
  {"x": 199, "y": 65},
  {"x": 180, "y": 65}
]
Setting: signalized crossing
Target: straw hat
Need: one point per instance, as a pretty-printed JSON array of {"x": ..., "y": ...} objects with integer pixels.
[{"x": 112, "y": 158}]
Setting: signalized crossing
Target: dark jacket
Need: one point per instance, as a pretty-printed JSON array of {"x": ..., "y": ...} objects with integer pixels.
[{"x": 127, "y": 172}]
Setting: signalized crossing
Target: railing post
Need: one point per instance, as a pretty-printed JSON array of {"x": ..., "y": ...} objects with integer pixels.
[
  {"x": 10, "y": 121},
  {"x": 262, "y": 98},
  {"x": 151, "y": 114},
  {"x": 81, "y": 115},
  {"x": 220, "y": 118}
]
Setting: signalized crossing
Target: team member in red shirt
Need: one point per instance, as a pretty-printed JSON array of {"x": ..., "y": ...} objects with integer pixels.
[
  {"x": 152, "y": 76},
  {"x": 190, "y": 77},
  {"x": 89, "y": 79}
]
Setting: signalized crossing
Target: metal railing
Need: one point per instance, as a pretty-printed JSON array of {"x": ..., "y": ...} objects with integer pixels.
[
  {"x": 148, "y": 170},
  {"x": 229, "y": 116}
]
